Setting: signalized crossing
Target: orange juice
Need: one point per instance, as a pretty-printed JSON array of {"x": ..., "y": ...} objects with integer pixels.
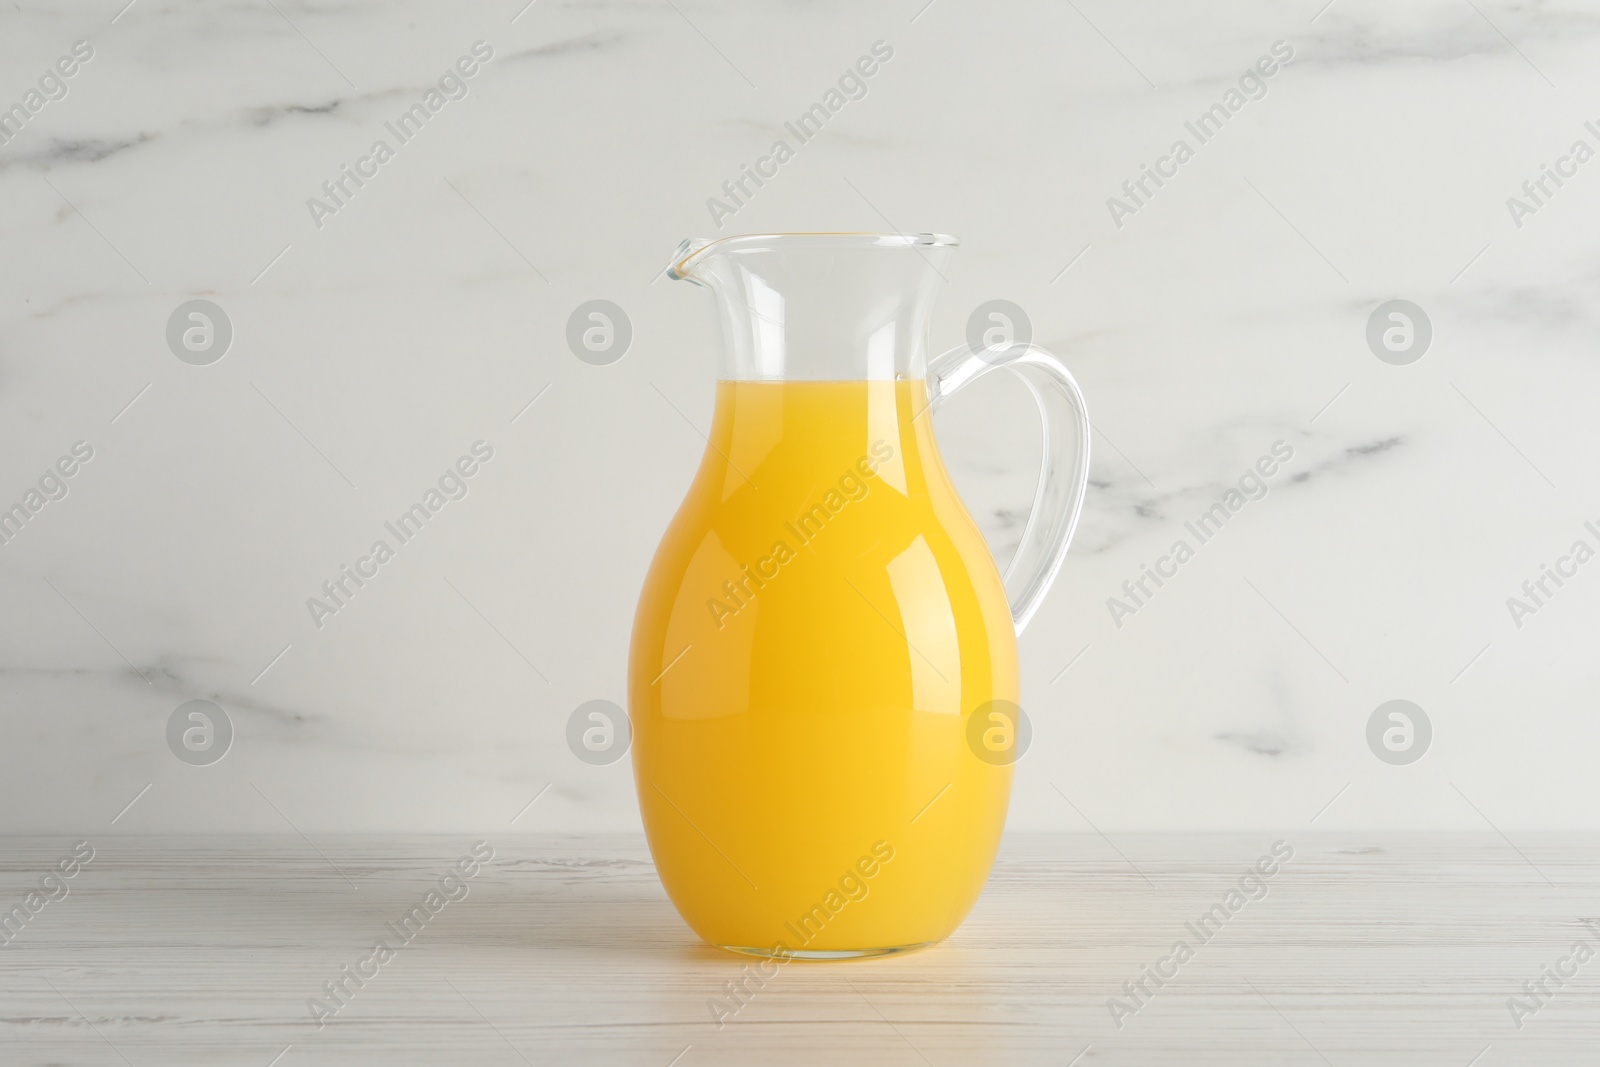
[{"x": 818, "y": 626}]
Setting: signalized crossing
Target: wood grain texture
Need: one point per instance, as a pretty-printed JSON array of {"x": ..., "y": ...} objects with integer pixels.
[{"x": 1364, "y": 950}]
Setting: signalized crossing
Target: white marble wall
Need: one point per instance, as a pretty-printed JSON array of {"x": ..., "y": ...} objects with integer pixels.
[{"x": 1227, "y": 313}]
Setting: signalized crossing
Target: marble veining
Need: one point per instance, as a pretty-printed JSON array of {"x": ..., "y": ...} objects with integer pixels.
[{"x": 1228, "y": 314}]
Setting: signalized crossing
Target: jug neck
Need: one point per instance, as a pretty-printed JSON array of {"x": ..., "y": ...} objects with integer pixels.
[{"x": 820, "y": 306}]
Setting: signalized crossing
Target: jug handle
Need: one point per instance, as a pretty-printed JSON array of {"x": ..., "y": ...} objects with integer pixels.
[{"x": 1063, "y": 474}]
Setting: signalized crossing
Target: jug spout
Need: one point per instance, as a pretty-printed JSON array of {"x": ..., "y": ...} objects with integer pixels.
[{"x": 820, "y": 306}]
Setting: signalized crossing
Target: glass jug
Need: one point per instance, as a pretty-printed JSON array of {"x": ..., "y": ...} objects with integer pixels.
[{"x": 823, "y": 678}]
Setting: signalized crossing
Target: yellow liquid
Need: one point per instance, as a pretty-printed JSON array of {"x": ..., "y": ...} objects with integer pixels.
[{"x": 820, "y": 622}]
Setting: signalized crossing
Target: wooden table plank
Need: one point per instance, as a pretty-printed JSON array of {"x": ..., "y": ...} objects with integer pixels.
[{"x": 1364, "y": 950}]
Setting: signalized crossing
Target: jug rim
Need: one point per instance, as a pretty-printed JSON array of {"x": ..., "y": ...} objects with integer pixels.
[{"x": 693, "y": 248}]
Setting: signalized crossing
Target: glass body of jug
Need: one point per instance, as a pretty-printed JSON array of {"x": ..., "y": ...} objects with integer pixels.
[{"x": 823, "y": 681}]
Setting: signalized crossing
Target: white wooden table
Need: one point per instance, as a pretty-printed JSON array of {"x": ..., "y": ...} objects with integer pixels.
[{"x": 1365, "y": 950}]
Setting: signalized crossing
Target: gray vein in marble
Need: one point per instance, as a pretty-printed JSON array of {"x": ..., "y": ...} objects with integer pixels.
[
  {"x": 1262, "y": 743},
  {"x": 1268, "y": 742},
  {"x": 1154, "y": 507},
  {"x": 1352, "y": 452},
  {"x": 1009, "y": 519},
  {"x": 169, "y": 677},
  {"x": 165, "y": 676},
  {"x": 588, "y": 42},
  {"x": 65, "y": 302},
  {"x": 92, "y": 150},
  {"x": 266, "y": 116},
  {"x": 85, "y": 150},
  {"x": 1460, "y": 34},
  {"x": 1544, "y": 308}
]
